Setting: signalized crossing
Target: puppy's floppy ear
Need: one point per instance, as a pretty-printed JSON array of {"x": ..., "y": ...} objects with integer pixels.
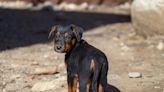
[
  {"x": 78, "y": 32},
  {"x": 53, "y": 29}
]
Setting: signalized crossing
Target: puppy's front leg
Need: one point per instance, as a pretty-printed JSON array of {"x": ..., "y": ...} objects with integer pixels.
[{"x": 72, "y": 82}]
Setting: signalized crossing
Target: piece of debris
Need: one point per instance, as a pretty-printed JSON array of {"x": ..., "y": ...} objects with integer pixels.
[
  {"x": 157, "y": 87},
  {"x": 160, "y": 46},
  {"x": 34, "y": 63},
  {"x": 125, "y": 47},
  {"x": 134, "y": 75}
]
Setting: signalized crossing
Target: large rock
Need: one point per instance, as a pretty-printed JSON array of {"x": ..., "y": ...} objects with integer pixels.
[
  {"x": 114, "y": 2},
  {"x": 148, "y": 17}
]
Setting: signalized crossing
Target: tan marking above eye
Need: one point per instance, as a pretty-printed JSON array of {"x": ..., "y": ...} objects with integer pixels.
[
  {"x": 73, "y": 41},
  {"x": 65, "y": 34}
]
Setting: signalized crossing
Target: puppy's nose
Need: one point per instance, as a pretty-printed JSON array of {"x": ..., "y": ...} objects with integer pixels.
[{"x": 59, "y": 47}]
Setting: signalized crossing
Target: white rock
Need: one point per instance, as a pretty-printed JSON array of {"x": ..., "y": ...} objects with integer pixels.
[
  {"x": 72, "y": 6},
  {"x": 125, "y": 5},
  {"x": 83, "y": 6},
  {"x": 92, "y": 7},
  {"x": 147, "y": 16},
  {"x": 125, "y": 48},
  {"x": 67, "y": 6},
  {"x": 160, "y": 46},
  {"x": 134, "y": 75}
]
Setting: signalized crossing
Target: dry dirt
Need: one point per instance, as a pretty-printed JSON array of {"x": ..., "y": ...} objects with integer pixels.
[{"x": 24, "y": 46}]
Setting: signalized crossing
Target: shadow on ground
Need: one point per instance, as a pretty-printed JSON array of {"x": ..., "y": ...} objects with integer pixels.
[
  {"x": 112, "y": 88},
  {"x": 24, "y": 27}
]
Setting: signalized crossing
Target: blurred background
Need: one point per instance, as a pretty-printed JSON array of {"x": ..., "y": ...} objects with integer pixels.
[{"x": 129, "y": 32}]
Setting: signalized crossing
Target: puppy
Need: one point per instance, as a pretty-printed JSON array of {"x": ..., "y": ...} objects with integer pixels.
[{"x": 85, "y": 63}]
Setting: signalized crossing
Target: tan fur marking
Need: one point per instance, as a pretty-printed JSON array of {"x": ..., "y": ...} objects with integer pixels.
[
  {"x": 69, "y": 88},
  {"x": 92, "y": 65},
  {"x": 73, "y": 41},
  {"x": 53, "y": 29},
  {"x": 65, "y": 34},
  {"x": 74, "y": 84},
  {"x": 67, "y": 46},
  {"x": 100, "y": 88},
  {"x": 88, "y": 85}
]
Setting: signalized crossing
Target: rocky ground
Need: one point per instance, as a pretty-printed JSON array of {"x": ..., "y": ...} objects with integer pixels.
[{"x": 29, "y": 64}]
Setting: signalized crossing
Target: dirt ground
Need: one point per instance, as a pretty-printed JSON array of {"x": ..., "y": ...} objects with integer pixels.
[{"x": 24, "y": 46}]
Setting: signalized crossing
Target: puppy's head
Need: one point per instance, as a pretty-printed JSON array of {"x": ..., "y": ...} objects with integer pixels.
[{"x": 65, "y": 37}]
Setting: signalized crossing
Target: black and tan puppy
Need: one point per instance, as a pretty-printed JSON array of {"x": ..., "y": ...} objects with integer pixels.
[{"x": 84, "y": 62}]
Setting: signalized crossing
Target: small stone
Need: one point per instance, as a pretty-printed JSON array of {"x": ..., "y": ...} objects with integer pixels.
[
  {"x": 92, "y": 7},
  {"x": 125, "y": 6},
  {"x": 157, "y": 87},
  {"x": 15, "y": 65},
  {"x": 57, "y": 75},
  {"x": 34, "y": 63},
  {"x": 43, "y": 86},
  {"x": 134, "y": 75},
  {"x": 83, "y": 6},
  {"x": 148, "y": 76},
  {"x": 115, "y": 38},
  {"x": 160, "y": 46},
  {"x": 15, "y": 76},
  {"x": 125, "y": 48}
]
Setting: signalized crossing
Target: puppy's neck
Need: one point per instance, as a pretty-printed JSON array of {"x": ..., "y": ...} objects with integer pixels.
[{"x": 74, "y": 47}]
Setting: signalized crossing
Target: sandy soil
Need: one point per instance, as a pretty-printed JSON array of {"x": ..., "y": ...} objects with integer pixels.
[{"x": 24, "y": 47}]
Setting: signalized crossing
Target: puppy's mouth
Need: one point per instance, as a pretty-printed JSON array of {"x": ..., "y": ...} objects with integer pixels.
[{"x": 60, "y": 50}]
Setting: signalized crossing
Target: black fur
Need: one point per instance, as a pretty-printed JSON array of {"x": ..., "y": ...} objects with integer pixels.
[{"x": 78, "y": 61}]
